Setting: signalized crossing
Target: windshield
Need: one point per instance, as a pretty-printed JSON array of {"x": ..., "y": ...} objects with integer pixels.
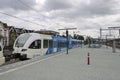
[{"x": 21, "y": 40}]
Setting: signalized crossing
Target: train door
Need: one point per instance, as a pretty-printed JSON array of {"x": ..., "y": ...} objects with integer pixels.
[
  {"x": 47, "y": 46},
  {"x": 35, "y": 49},
  {"x": 54, "y": 46}
]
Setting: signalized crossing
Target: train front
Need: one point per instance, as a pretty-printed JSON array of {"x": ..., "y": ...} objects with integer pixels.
[{"x": 20, "y": 47}]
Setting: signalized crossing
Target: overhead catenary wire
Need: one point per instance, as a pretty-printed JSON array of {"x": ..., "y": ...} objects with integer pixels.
[
  {"x": 27, "y": 6},
  {"x": 20, "y": 18}
]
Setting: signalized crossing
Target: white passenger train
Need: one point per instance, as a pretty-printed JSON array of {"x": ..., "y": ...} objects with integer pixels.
[
  {"x": 30, "y": 45},
  {"x": 2, "y": 58}
]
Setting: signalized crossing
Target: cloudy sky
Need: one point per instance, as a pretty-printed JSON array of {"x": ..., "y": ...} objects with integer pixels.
[{"x": 88, "y": 16}]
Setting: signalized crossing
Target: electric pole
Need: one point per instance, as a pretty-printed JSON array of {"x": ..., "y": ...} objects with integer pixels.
[{"x": 67, "y": 34}]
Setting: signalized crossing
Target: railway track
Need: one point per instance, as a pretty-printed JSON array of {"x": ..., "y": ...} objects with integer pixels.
[{"x": 110, "y": 43}]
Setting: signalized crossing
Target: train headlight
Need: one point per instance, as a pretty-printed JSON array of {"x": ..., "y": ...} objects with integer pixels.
[{"x": 24, "y": 50}]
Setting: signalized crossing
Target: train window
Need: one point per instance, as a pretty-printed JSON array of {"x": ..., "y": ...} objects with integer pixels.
[
  {"x": 55, "y": 44},
  {"x": 65, "y": 44},
  {"x": 0, "y": 48},
  {"x": 62, "y": 44},
  {"x": 50, "y": 43},
  {"x": 36, "y": 44},
  {"x": 45, "y": 43},
  {"x": 59, "y": 44},
  {"x": 22, "y": 40}
]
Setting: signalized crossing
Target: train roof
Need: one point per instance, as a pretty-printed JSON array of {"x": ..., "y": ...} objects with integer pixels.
[{"x": 49, "y": 36}]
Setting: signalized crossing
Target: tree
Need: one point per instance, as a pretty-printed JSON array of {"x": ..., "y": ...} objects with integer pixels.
[
  {"x": 88, "y": 40},
  {"x": 80, "y": 37}
]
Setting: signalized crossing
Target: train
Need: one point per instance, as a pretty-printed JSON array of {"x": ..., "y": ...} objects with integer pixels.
[
  {"x": 2, "y": 58},
  {"x": 31, "y": 45}
]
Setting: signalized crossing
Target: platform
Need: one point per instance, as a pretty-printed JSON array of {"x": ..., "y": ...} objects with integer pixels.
[{"x": 104, "y": 65}]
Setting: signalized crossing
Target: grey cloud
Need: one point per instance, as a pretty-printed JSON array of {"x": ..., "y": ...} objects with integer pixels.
[
  {"x": 16, "y": 4},
  {"x": 57, "y": 4},
  {"x": 89, "y": 10},
  {"x": 99, "y": 7}
]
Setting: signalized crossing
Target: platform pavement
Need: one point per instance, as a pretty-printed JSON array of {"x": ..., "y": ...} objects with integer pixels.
[{"x": 104, "y": 65}]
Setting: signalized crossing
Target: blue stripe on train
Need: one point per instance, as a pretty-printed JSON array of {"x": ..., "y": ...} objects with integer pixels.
[{"x": 61, "y": 39}]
